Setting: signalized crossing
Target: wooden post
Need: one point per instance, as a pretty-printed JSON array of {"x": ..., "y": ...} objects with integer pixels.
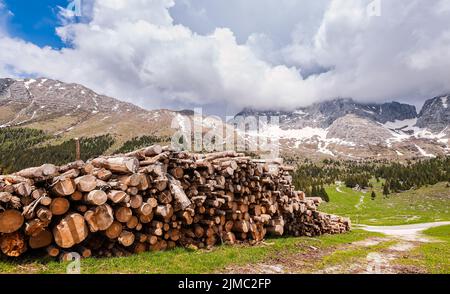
[{"x": 77, "y": 152}]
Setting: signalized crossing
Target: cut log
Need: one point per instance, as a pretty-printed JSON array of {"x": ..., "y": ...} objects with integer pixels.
[
  {"x": 59, "y": 206},
  {"x": 41, "y": 173},
  {"x": 96, "y": 197},
  {"x": 35, "y": 226},
  {"x": 187, "y": 218},
  {"x": 177, "y": 172},
  {"x": 23, "y": 189},
  {"x": 13, "y": 244},
  {"x": 161, "y": 184},
  {"x": 145, "y": 219},
  {"x": 117, "y": 164},
  {"x": 126, "y": 238},
  {"x": 114, "y": 231},
  {"x": 153, "y": 202},
  {"x": 241, "y": 226},
  {"x": 64, "y": 187},
  {"x": 52, "y": 251},
  {"x": 10, "y": 221},
  {"x": 165, "y": 197},
  {"x": 99, "y": 218},
  {"x": 136, "y": 201},
  {"x": 178, "y": 192},
  {"x": 76, "y": 196},
  {"x": 133, "y": 222},
  {"x": 77, "y": 165},
  {"x": 146, "y": 152},
  {"x": 45, "y": 201},
  {"x": 5, "y": 197},
  {"x": 41, "y": 240},
  {"x": 84, "y": 252},
  {"x": 276, "y": 230},
  {"x": 123, "y": 214},
  {"x": 86, "y": 183},
  {"x": 145, "y": 209},
  {"x": 70, "y": 231},
  {"x": 103, "y": 174},
  {"x": 44, "y": 214},
  {"x": 117, "y": 196},
  {"x": 165, "y": 211},
  {"x": 139, "y": 247},
  {"x": 144, "y": 182}
]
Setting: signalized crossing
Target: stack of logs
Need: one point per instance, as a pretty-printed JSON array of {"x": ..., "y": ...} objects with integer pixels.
[{"x": 153, "y": 199}]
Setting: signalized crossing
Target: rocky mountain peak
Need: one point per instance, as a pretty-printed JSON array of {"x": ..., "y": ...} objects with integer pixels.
[
  {"x": 41, "y": 99},
  {"x": 323, "y": 114},
  {"x": 435, "y": 114}
]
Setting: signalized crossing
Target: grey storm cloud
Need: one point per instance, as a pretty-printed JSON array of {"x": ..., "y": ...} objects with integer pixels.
[{"x": 254, "y": 53}]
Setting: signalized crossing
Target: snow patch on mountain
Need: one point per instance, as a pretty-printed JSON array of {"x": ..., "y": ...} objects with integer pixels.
[
  {"x": 406, "y": 129},
  {"x": 404, "y": 125},
  {"x": 29, "y": 82},
  {"x": 424, "y": 153}
]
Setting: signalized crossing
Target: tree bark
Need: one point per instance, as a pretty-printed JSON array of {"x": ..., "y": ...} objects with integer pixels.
[
  {"x": 117, "y": 164},
  {"x": 41, "y": 173}
]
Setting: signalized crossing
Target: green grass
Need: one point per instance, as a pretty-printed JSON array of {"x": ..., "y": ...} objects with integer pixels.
[
  {"x": 433, "y": 257},
  {"x": 186, "y": 261},
  {"x": 428, "y": 204},
  {"x": 442, "y": 233}
]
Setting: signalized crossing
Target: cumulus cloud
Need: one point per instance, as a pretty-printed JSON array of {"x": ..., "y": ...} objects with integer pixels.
[{"x": 135, "y": 50}]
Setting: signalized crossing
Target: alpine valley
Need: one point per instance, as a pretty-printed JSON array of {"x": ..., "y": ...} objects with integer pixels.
[{"x": 339, "y": 128}]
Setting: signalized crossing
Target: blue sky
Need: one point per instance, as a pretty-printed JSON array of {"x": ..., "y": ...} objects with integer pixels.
[{"x": 35, "y": 21}]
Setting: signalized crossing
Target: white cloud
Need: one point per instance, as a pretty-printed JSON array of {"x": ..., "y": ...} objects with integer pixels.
[
  {"x": 135, "y": 51},
  {"x": 401, "y": 54}
]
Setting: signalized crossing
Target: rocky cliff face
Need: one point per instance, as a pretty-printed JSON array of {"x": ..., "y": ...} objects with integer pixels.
[
  {"x": 435, "y": 114},
  {"x": 323, "y": 114},
  {"x": 352, "y": 128}
]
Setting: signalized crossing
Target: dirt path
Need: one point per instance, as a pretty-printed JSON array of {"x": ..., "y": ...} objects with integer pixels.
[
  {"x": 375, "y": 255},
  {"x": 404, "y": 238},
  {"x": 406, "y": 232}
]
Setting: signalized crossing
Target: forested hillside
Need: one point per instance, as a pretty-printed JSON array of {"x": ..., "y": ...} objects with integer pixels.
[
  {"x": 311, "y": 177},
  {"x": 23, "y": 147}
]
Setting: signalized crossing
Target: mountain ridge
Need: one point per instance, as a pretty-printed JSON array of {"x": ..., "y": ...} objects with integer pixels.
[
  {"x": 347, "y": 129},
  {"x": 341, "y": 128}
]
